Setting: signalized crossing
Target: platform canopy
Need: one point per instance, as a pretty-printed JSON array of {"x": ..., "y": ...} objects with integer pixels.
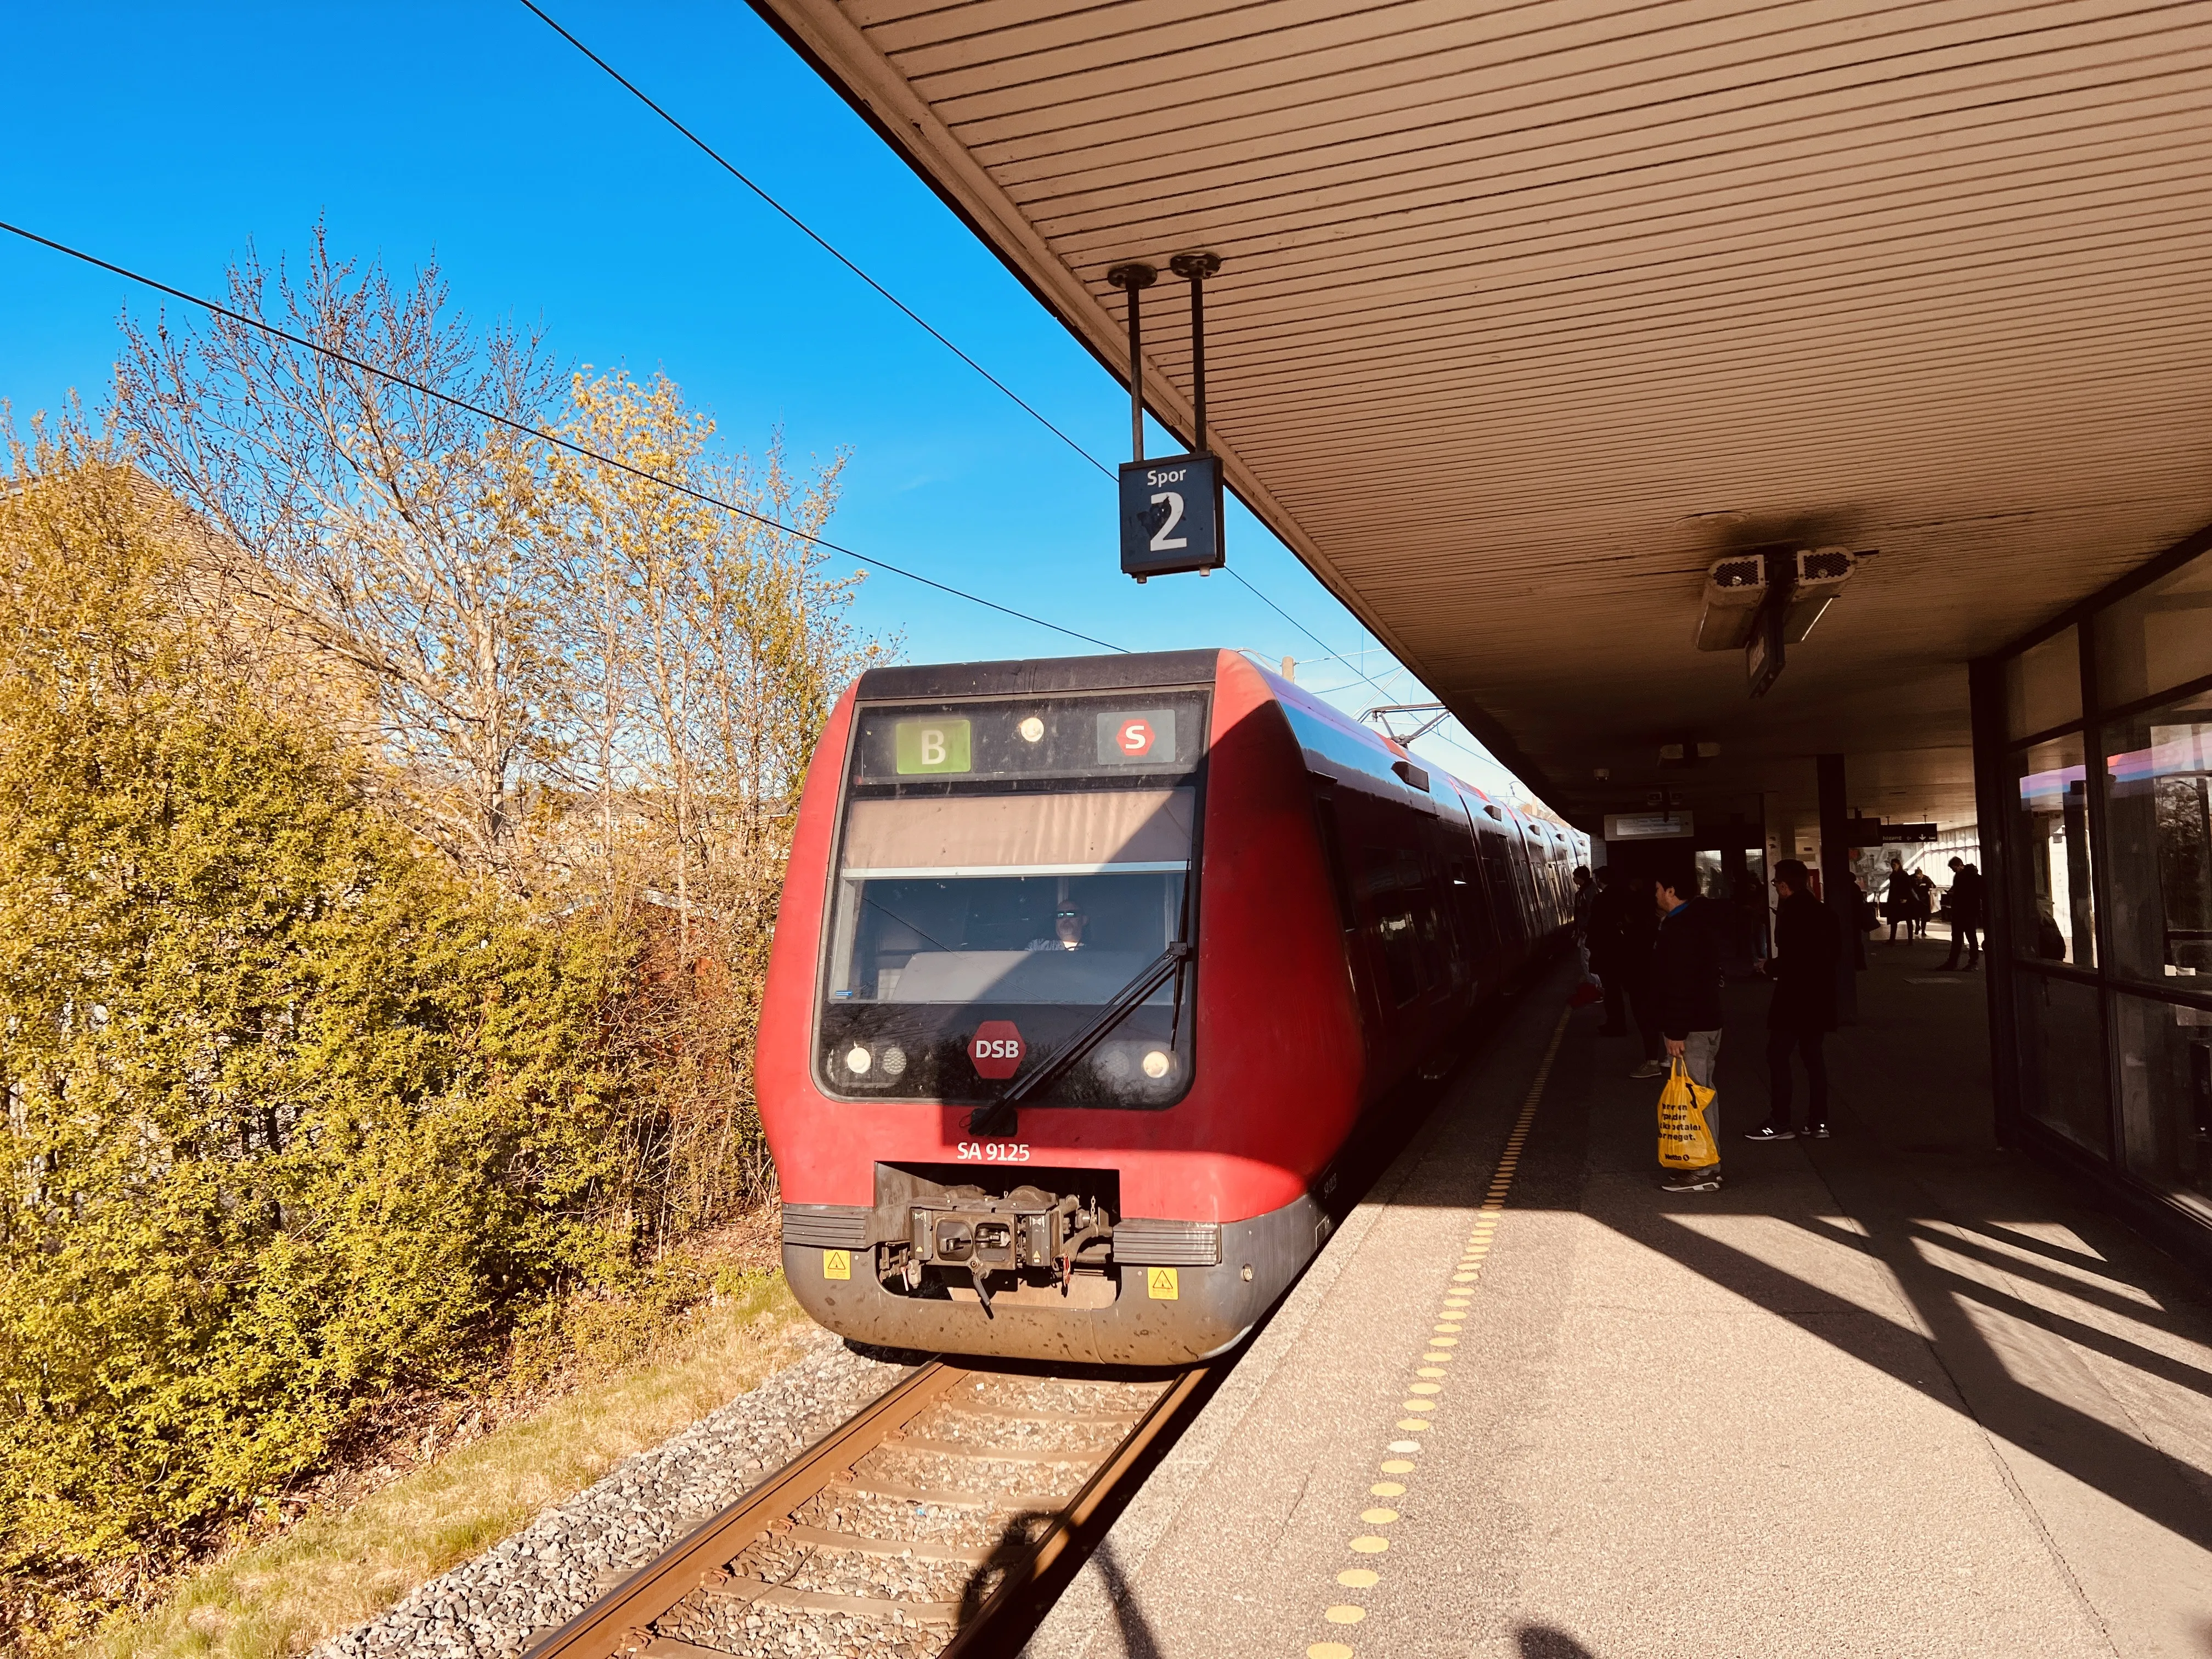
[{"x": 1529, "y": 312}]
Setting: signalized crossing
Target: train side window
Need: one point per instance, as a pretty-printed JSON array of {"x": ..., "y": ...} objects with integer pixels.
[
  {"x": 1474, "y": 906},
  {"x": 1391, "y": 902}
]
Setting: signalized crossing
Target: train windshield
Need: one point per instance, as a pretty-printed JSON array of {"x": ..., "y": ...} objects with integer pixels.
[{"x": 1004, "y": 871}]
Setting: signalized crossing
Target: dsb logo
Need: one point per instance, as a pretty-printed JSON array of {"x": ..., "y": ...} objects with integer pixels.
[
  {"x": 996, "y": 1049},
  {"x": 1136, "y": 738}
]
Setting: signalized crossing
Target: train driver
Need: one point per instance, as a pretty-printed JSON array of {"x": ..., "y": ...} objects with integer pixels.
[{"x": 1067, "y": 926}]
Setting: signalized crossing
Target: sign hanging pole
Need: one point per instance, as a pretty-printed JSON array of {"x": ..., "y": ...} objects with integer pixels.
[
  {"x": 1172, "y": 509},
  {"x": 1133, "y": 279},
  {"x": 1194, "y": 268}
]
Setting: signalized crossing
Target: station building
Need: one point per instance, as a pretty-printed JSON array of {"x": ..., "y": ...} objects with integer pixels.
[{"x": 1536, "y": 328}]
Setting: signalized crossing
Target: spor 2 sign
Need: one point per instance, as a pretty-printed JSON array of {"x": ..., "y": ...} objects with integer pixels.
[{"x": 1171, "y": 516}]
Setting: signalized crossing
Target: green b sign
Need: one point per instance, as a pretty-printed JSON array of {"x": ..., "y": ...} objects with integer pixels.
[{"x": 939, "y": 746}]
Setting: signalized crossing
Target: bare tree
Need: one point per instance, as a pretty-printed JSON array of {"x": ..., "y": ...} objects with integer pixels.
[
  {"x": 414, "y": 538},
  {"x": 733, "y": 638}
]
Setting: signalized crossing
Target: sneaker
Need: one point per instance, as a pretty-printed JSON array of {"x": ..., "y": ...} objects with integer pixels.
[
  {"x": 1769, "y": 1132},
  {"x": 1816, "y": 1132},
  {"x": 1650, "y": 1068},
  {"x": 1707, "y": 1180}
]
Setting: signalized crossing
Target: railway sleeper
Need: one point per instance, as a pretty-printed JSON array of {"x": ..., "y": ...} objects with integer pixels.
[
  {"x": 1104, "y": 1419},
  {"x": 963, "y": 1449},
  {"x": 951, "y": 1500},
  {"x": 754, "y": 1592},
  {"x": 822, "y": 1538}
]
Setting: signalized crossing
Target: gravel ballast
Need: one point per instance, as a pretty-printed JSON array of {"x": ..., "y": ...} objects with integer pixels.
[{"x": 532, "y": 1583}]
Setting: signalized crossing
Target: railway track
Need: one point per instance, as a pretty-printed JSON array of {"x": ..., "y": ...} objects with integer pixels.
[{"x": 914, "y": 1529}]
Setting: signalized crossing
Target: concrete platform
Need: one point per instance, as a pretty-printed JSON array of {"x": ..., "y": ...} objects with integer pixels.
[{"x": 1892, "y": 1394}]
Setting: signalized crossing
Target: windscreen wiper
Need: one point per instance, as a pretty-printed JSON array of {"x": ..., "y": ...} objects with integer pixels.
[{"x": 999, "y": 1118}]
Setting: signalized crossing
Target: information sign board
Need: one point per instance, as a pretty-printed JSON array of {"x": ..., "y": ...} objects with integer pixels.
[
  {"x": 1649, "y": 826},
  {"x": 1171, "y": 516}
]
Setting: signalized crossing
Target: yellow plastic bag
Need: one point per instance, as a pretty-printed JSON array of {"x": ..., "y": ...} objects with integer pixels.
[{"x": 1685, "y": 1142}]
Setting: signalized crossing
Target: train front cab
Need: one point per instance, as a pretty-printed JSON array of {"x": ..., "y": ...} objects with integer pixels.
[{"x": 958, "y": 826}]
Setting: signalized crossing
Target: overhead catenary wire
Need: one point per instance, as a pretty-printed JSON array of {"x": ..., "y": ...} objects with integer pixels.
[
  {"x": 913, "y": 316},
  {"x": 1301, "y": 627},
  {"x": 554, "y": 438},
  {"x": 810, "y": 233}
]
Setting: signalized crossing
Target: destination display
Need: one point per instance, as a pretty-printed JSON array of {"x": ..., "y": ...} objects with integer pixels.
[{"x": 1141, "y": 733}]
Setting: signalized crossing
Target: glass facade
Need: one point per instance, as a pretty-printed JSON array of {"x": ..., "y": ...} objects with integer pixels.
[
  {"x": 2042, "y": 686},
  {"x": 2054, "y": 895},
  {"x": 2096, "y": 742},
  {"x": 2158, "y": 810}
]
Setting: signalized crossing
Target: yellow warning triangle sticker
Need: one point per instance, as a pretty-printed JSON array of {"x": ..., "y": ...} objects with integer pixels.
[{"x": 1161, "y": 1283}]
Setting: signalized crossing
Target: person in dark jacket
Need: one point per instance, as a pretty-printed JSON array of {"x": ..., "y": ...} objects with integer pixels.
[
  {"x": 1901, "y": 899},
  {"x": 1639, "y": 941},
  {"x": 1808, "y": 943},
  {"x": 1965, "y": 914},
  {"x": 1685, "y": 981},
  {"x": 1608, "y": 908}
]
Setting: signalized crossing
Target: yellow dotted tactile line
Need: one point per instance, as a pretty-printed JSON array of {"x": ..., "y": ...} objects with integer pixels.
[{"x": 1420, "y": 1405}]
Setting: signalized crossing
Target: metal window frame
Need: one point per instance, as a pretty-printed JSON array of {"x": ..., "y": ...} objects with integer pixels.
[{"x": 2178, "y": 1226}]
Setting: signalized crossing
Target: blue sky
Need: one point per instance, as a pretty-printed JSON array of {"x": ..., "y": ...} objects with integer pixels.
[{"x": 165, "y": 138}]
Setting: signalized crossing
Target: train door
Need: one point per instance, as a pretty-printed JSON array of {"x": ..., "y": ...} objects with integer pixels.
[
  {"x": 1453, "y": 848},
  {"x": 1503, "y": 886},
  {"x": 1328, "y": 820}
]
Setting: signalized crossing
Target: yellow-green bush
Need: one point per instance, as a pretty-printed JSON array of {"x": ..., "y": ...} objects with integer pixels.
[{"x": 293, "y": 1114}]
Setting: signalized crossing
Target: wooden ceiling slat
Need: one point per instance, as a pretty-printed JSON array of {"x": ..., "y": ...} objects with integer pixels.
[
  {"x": 1259, "y": 318},
  {"x": 1421, "y": 40},
  {"x": 1584, "y": 172},
  {"x": 1138, "y": 31},
  {"x": 1485, "y": 318},
  {"x": 1450, "y": 187},
  {"x": 1634, "y": 84},
  {"x": 1388, "y": 121},
  {"x": 1355, "y": 256},
  {"x": 1513, "y": 346},
  {"x": 1451, "y": 58}
]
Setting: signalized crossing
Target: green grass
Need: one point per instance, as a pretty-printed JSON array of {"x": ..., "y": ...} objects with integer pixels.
[{"x": 333, "y": 1570}]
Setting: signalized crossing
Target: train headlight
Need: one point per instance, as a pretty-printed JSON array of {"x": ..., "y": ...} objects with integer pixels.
[
  {"x": 1157, "y": 1062},
  {"x": 1032, "y": 730},
  {"x": 1114, "y": 1062},
  {"x": 857, "y": 1060},
  {"x": 894, "y": 1061}
]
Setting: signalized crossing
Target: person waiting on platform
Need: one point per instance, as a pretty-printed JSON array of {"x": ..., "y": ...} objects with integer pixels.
[
  {"x": 1686, "y": 979},
  {"x": 1585, "y": 894},
  {"x": 1901, "y": 898},
  {"x": 1621, "y": 931},
  {"x": 1603, "y": 933},
  {"x": 1964, "y": 905},
  {"x": 1807, "y": 944}
]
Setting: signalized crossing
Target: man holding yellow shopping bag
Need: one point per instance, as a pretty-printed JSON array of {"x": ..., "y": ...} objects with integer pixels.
[{"x": 1686, "y": 975}]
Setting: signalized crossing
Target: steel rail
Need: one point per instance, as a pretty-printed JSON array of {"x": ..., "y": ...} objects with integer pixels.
[
  {"x": 1067, "y": 1526},
  {"x": 619, "y": 1623},
  {"x": 615, "y": 1624}
]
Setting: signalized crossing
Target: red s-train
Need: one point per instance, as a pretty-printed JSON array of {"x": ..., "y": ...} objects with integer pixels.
[{"x": 1087, "y": 974}]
